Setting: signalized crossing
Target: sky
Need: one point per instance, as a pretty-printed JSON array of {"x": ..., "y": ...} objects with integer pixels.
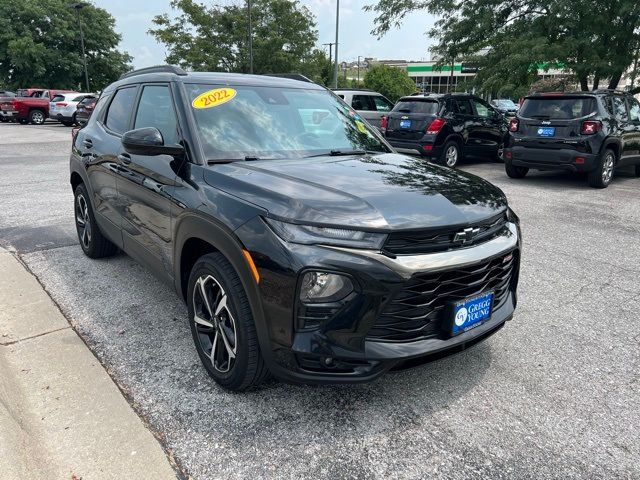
[{"x": 410, "y": 42}]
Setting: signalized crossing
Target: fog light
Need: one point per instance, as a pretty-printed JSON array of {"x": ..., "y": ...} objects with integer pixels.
[{"x": 322, "y": 287}]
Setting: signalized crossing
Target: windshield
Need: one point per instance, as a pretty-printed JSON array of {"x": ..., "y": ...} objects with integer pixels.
[
  {"x": 557, "y": 107},
  {"x": 272, "y": 122},
  {"x": 417, "y": 106}
]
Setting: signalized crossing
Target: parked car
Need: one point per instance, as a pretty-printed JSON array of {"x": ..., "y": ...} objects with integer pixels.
[
  {"x": 63, "y": 107},
  {"x": 29, "y": 109},
  {"x": 594, "y": 132},
  {"x": 301, "y": 243},
  {"x": 505, "y": 106},
  {"x": 370, "y": 105},
  {"x": 5, "y": 97},
  {"x": 446, "y": 127},
  {"x": 84, "y": 109}
]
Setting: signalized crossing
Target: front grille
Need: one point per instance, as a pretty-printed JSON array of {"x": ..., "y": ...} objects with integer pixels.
[
  {"x": 420, "y": 308},
  {"x": 441, "y": 239}
]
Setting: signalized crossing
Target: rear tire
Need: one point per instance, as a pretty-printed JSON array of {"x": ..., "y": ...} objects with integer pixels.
[
  {"x": 92, "y": 242},
  {"x": 637, "y": 170},
  {"x": 37, "y": 117},
  {"x": 601, "y": 177},
  {"x": 499, "y": 156},
  {"x": 450, "y": 155},
  {"x": 515, "y": 172},
  {"x": 222, "y": 325}
]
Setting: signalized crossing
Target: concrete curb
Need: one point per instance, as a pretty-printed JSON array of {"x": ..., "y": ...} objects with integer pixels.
[{"x": 61, "y": 415}]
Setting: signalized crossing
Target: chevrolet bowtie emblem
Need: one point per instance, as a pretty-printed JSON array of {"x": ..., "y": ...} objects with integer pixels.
[{"x": 466, "y": 235}]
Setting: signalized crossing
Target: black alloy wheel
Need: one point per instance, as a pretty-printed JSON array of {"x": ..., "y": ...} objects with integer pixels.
[
  {"x": 93, "y": 243},
  {"x": 222, "y": 325},
  {"x": 603, "y": 174}
]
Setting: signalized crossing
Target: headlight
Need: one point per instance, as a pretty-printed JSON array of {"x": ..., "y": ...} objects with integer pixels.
[
  {"x": 309, "y": 235},
  {"x": 512, "y": 217},
  {"x": 323, "y": 287}
]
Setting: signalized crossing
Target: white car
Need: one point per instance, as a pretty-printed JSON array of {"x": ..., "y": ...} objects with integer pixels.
[
  {"x": 63, "y": 107},
  {"x": 372, "y": 106}
]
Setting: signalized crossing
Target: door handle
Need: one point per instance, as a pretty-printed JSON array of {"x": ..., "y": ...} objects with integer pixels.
[
  {"x": 124, "y": 158},
  {"x": 87, "y": 143}
]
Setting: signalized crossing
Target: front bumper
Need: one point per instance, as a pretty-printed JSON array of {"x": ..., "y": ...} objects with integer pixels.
[
  {"x": 8, "y": 113},
  {"x": 566, "y": 159},
  {"x": 340, "y": 350}
]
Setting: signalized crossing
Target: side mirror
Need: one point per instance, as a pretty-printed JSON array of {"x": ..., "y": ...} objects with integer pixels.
[{"x": 149, "y": 141}]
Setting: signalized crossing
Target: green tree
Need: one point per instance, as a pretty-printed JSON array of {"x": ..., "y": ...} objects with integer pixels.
[
  {"x": 216, "y": 37},
  {"x": 40, "y": 45},
  {"x": 392, "y": 82},
  {"x": 593, "y": 40}
]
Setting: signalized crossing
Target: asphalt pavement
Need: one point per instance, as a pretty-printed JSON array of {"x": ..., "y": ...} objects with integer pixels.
[{"x": 555, "y": 394}]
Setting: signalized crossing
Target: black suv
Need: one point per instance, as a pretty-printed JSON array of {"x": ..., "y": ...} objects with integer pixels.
[
  {"x": 301, "y": 243},
  {"x": 593, "y": 132},
  {"x": 446, "y": 127}
]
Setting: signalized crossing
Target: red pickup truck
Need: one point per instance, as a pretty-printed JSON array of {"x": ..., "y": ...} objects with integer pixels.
[{"x": 30, "y": 106}]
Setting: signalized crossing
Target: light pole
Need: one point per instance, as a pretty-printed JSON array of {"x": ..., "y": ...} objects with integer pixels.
[
  {"x": 78, "y": 6},
  {"x": 359, "y": 56},
  {"x": 250, "y": 39},
  {"x": 335, "y": 67}
]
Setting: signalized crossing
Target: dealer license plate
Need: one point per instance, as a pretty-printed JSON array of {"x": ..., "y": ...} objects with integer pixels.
[
  {"x": 546, "y": 131},
  {"x": 471, "y": 312}
]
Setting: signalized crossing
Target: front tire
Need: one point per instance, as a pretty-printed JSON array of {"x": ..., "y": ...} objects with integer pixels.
[
  {"x": 515, "y": 172},
  {"x": 450, "y": 154},
  {"x": 93, "y": 243},
  {"x": 637, "y": 170},
  {"x": 37, "y": 117},
  {"x": 601, "y": 177},
  {"x": 222, "y": 325}
]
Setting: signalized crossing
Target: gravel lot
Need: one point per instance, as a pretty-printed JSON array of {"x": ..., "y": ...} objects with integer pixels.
[{"x": 555, "y": 394}]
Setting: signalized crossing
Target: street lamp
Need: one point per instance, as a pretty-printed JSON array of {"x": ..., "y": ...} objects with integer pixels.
[
  {"x": 78, "y": 6},
  {"x": 335, "y": 67},
  {"x": 250, "y": 38}
]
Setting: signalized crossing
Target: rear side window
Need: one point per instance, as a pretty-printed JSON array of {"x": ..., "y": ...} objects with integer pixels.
[
  {"x": 428, "y": 107},
  {"x": 562, "y": 108},
  {"x": 620, "y": 109},
  {"x": 77, "y": 99},
  {"x": 119, "y": 111},
  {"x": 363, "y": 102}
]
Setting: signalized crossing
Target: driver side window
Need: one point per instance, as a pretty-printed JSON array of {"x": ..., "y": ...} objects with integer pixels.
[
  {"x": 156, "y": 110},
  {"x": 482, "y": 110}
]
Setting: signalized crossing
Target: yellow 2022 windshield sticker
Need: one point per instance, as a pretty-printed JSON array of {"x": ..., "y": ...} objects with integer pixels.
[{"x": 213, "y": 98}]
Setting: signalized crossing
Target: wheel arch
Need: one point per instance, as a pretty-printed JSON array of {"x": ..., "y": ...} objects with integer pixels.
[
  {"x": 197, "y": 234},
  {"x": 614, "y": 145}
]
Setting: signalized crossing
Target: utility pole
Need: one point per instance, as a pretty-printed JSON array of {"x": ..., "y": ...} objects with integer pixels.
[
  {"x": 77, "y": 7},
  {"x": 250, "y": 39},
  {"x": 359, "y": 56},
  {"x": 330, "y": 45},
  {"x": 335, "y": 68}
]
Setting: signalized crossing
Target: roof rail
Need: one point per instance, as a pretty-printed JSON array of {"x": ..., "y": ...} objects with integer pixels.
[
  {"x": 354, "y": 89},
  {"x": 292, "y": 76},
  {"x": 156, "y": 69}
]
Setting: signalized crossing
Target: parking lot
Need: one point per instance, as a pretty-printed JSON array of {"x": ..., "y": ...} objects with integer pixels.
[{"x": 555, "y": 394}]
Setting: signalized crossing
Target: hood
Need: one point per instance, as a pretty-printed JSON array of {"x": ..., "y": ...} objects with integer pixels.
[{"x": 387, "y": 191}]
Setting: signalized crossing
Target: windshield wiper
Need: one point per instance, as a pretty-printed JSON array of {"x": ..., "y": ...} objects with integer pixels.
[
  {"x": 248, "y": 158},
  {"x": 341, "y": 153}
]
